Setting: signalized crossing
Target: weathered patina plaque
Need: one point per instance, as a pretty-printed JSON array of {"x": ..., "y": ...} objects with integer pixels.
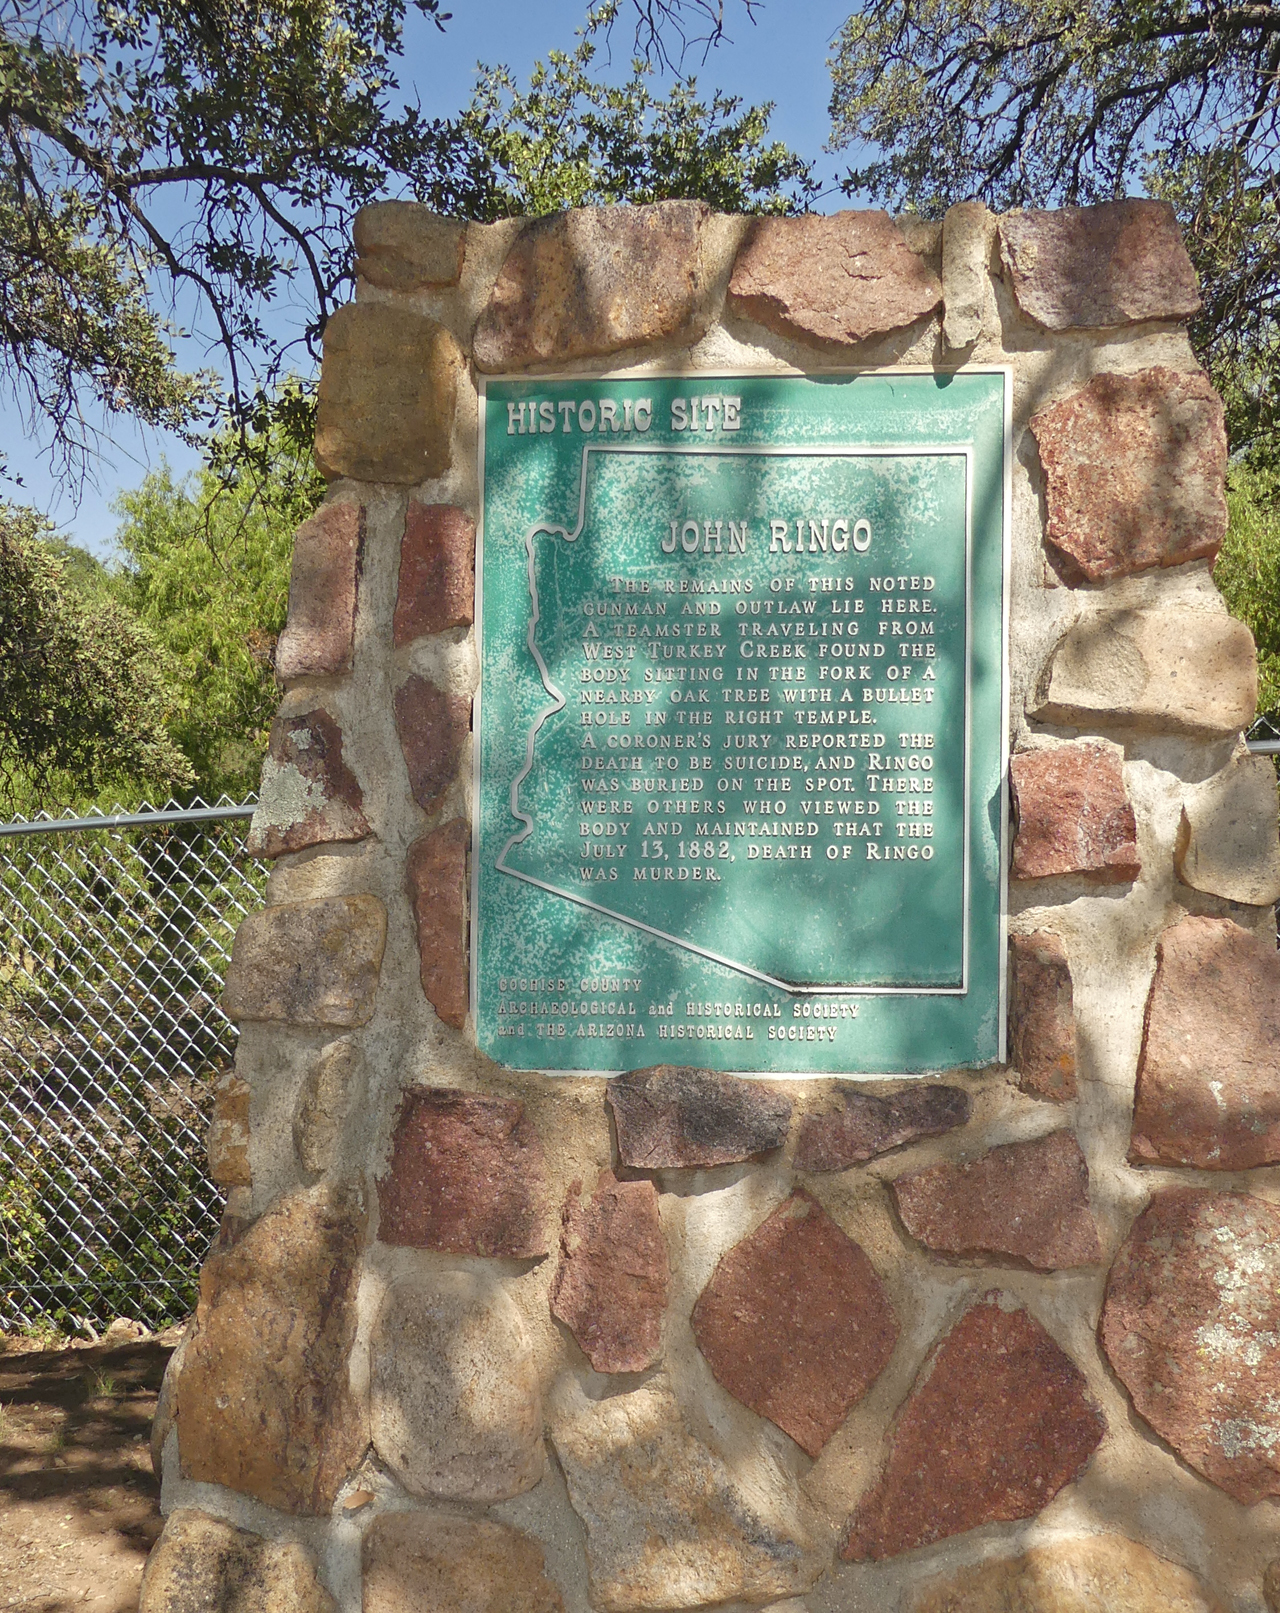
[{"x": 740, "y": 728}]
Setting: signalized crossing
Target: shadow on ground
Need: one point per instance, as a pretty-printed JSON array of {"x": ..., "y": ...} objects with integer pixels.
[{"x": 79, "y": 1502}]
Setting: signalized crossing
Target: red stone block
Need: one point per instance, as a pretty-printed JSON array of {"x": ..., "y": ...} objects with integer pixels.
[
  {"x": 1113, "y": 264},
  {"x": 309, "y": 796},
  {"x": 835, "y": 279},
  {"x": 871, "y": 1123},
  {"x": 466, "y": 1176},
  {"x": 998, "y": 1421},
  {"x": 1191, "y": 1325},
  {"x": 437, "y": 588},
  {"x": 1042, "y": 1022},
  {"x": 1208, "y": 1089},
  {"x": 433, "y": 728},
  {"x": 610, "y": 1289},
  {"x": 320, "y": 634},
  {"x": 436, "y": 873},
  {"x": 795, "y": 1323},
  {"x": 1135, "y": 474},
  {"x": 1029, "y": 1200},
  {"x": 675, "y": 1116},
  {"x": 1072, "y": 814}
]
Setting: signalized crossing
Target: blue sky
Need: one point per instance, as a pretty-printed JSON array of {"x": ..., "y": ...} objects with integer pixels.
[{"x": 781, "y": 58}]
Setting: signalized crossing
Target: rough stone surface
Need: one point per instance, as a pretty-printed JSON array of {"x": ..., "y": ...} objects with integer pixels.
[
  {"x": 264, "y": 1404},
  {"x": 1162, "y": 668},
  {"x": 229, "y": 1132},
  {"x": 610, "y": 1289},
  {"x": 668, "y": 1524},
  {"x": 436, "y": 873},
  {"x": 1042, "y": 1021},
  {"x": 167, "y": 1402},
  {"x": 1113, "y": 264},
  {"x": 1135, "y": 474},
  {"x": 967, "y": 234},
  {"x": 1072, "y": 814},
  {"x": 433, "y": 729},
  {"x": 402, "y": 246},
  {"x": 1227, "y": 841},
  {"x": 870, "y": 1123},
  {"x": 324, "y": 584},
  {"x": 1271, "y": 1586},
  {"x": 831, "y": 279},
  {"x": 456, "y": 1410},
  {"x": 1191, "y": 1325},
  {"x": 1030, "y": 1200},
  {"x": 997, "y": 1422},
  {"x": 387, "y": 390},
  {"x": 466, "y": 1176},
  {"x": 308, "y": 795},
  {"x": 673, "y": 1115},
  {"x": 308, "y": 963},
  {"x": 415, "y": 1562},
  {"x": 324, "y": 1102},
  {"x": 202, "y": 1565},
  {"x": 795, "y": 1323},
  {"x": 1094, "y": 1574},
  {"x": 1208, "y": 1090},
  {"x": 594, "y": 280},
  {"x": 437, "y": 586}
]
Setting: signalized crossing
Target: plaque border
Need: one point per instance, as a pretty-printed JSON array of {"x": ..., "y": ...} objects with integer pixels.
[{"x": 642, "y": 372}]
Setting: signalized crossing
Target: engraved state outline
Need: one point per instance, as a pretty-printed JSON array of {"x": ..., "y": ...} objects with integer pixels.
[{"x": 963, "y": 451}]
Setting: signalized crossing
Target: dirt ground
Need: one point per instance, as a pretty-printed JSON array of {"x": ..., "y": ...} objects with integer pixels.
[{"x": 79, "y": 1504}]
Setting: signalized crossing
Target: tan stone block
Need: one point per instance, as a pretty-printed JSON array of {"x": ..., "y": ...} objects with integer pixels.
[
  {"x": 591, "y": 281},
  {"x": 1135, "y": 474},
  {"x": 668, "y": 1523},
  {"x": 833, "y": 280},
  {"x": 455, "y": 1402},
  {"x": 967, "y": 235},
  {"x": 425, "y": 1562},
  {"x": 388, "y": 387},
  {"x": 229, "y": 1132},
  {"x": 401, "y": 246},
  {"x": 1112, "y": 264},
  {"x": 436, "y": 876},
  {"x": 1156, "y": 668},
  {"x": 264, "y": 1404},
  {"x": 1228, "y": 841},
  {"x": 308, "y": 963},
  {"x": 326, "y": 1098},
  {"x": 324, "y": 581},
  {"x": 201, "y": 1563},
  {"x": 1095, "y": 1574}
]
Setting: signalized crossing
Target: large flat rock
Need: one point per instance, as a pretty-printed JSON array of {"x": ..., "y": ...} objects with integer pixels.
[
  {"x": 1072, "y": 814},
  {"x": 417, "y": 1562},
  {"x": 308, "y": 963},
  {"x": 1191, "y": 1326},
  {"x": 675, "y": 1116},
  {"x": 201, "y": 1564}
]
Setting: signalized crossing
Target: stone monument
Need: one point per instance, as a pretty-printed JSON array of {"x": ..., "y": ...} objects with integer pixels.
[{"x": 759, "y": 1075}]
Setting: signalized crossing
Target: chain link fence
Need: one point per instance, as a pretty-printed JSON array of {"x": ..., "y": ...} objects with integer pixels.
[{"x": 114, "y": 935}]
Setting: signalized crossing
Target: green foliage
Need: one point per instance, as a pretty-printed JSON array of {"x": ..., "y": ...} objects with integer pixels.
[
  {"x": 82, "y": 700},
  {"x": 207, "y": 571},
  {"x": 1050, "y": 102},
  {"x": 1248, "y": 570},
  {"x": 569, "y": 141}
]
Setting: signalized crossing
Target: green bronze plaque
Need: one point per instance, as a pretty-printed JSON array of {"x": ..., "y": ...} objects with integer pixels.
[{"x": 740, "y": 748}]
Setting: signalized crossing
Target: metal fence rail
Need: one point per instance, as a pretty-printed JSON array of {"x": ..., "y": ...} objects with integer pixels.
[{"x": 114, "y": 935}]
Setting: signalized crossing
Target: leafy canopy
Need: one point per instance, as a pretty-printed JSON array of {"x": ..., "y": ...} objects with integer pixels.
[
  {"x": 83, "y": 703},
  {"x": 1064, "y": 102},
  {"x": 204, "y": 159}
]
